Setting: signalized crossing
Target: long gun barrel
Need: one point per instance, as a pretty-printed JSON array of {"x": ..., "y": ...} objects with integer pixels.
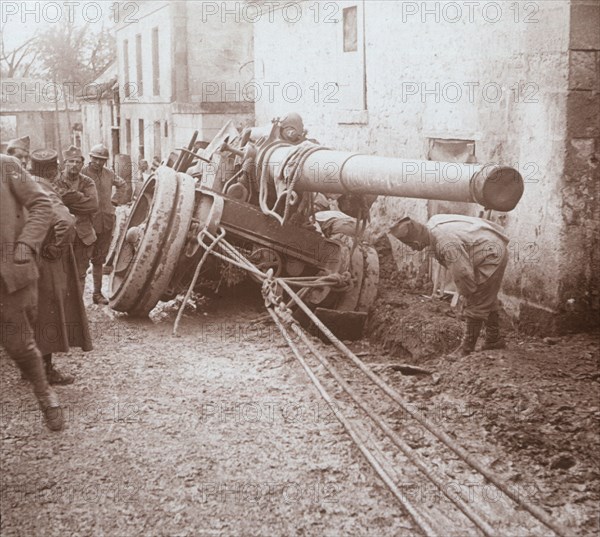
[{"x": 337, "y": 172}]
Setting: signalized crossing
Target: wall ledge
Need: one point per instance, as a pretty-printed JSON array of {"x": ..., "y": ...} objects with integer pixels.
[{"x": 353, "y": 117}]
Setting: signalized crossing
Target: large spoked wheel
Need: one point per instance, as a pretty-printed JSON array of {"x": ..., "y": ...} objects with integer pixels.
[{"x": 153, "y": 239}]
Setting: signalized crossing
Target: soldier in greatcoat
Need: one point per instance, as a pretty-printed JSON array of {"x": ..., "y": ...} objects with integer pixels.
[
  {"x": 62, "y": 320},
  {"x": 25, "y": 220}
]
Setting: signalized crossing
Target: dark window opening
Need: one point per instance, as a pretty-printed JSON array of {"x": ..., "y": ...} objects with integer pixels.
[
  {"x": 126, "y": 87},
  {"x": 157, "y": 141},
  {"x": 128, "y": 135},
  {"x": 138, "y": 64},
  {"x": 141, "y": 148},
  {"x": 155, "y": 63}
]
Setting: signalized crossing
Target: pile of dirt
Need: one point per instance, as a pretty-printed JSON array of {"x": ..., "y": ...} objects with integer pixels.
[
  {"x": 538, "y": 399},
  {"x": 405, "y": 321}
]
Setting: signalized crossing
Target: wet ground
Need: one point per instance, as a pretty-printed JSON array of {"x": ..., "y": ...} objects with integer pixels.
[{"x": 218, "y": 432}]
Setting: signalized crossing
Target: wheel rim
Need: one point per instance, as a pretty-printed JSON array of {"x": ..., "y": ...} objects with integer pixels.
[
  {"x": 141, "y": 244},
  {"x": 181, "y": 216}
]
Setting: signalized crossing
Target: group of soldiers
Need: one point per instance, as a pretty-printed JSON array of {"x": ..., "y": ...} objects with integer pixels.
[{"x": 55, "y": 222}]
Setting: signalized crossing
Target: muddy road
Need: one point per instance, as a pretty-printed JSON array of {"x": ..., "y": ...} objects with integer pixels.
[{"x": 219, "y": 432}]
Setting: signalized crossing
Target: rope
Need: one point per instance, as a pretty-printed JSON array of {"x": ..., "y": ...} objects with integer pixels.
[
  {"x": 197, "y": 273},
  {"x": 290, "y": 172},
  {"x": 438, "y": 433},
  {"x": 383, "y": 470},
  {"x": 281, "y": 313},
  {"x": 401, "y": 444}
]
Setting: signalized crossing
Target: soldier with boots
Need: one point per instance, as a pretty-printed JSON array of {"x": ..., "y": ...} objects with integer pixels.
[
  {"x": 104, "y": 219},
  {"x": 475, "y": 252},
  {"x": 25, "y": 217},
  {"x": 62, "y": 320},
  {"x": 79, "y": 194}
]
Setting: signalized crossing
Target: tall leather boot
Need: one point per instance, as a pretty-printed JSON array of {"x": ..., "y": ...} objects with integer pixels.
[
  {"x": 55, "y": 376},
  {"x": 470, "y": 335},
  {"x": 98, "y": 297},
  {"x": 32, "y": 367},
  {"x": 493, "y": 340}
]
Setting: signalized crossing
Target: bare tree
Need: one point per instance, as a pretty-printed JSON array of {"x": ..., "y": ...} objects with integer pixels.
[
  {"x": 75, "y": 54},
  {"x": 21, "y": 60}
]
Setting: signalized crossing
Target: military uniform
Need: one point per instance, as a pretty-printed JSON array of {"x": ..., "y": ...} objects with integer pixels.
[
  {"x": 104, "y": 218},
  {"x": 78, "y": 192},
  {"x": 26, "y": 215},
  {"x": 62, "y": 320},
  {"x": 475, "y": 253},
  {"x": 19, "y": 148}
]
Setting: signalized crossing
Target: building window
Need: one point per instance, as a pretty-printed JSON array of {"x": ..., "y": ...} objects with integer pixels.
[
  {"x": 141, "y": 149},
  {"x": 166, "y": 129},
  {"x": 138, "y": 64},
  {"x": 350, "y": 29},
  {"x": 155, "y": 63},
  {"x": 126, "y": 87},
  {"x": 157, "y": 141},
  {"x": 128, "y": 135}
]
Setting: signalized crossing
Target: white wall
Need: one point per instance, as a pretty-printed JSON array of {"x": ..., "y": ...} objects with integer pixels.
[{"x": 404, "y": 51}]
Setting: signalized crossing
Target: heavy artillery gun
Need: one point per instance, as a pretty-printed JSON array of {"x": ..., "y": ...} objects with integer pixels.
[{"x": 249, "y": 199}]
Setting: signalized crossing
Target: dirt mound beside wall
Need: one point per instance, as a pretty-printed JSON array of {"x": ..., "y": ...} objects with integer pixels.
[{"x": 403, "y": 320}]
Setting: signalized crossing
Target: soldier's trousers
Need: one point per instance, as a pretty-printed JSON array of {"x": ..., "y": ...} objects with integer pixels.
[
  {"x": 83, "y": 255},
  {"x": 101, "y": 247},
  {"x": 17, "y": 317},
  {"x": 485, "y": 299}
]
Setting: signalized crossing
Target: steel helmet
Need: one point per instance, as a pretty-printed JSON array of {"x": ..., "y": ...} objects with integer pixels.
[{"x": 99, "y": 151}]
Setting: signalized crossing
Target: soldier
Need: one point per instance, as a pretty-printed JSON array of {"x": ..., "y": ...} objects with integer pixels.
[
  {"x": 104, "y": 219},
  {"x": 19, "y": 148},
  {"x": 62, "y": 320},
  {"x": 79, "y": 194},
  {"x": 475, "y": 252},
  {"x": 26, "y": 215}
]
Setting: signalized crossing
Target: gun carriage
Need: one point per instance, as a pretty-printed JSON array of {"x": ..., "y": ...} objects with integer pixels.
[{"x": 258, "y": 190}]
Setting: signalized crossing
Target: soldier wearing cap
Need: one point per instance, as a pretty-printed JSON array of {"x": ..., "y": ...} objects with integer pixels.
[
  {"x": 78, "y": 193},
  {"x": 25, "y": 214},
  {"x": 104, "y": 219},
  {"x": 62, "y": 319},
  {"x": 292, "y": 128},
  {"x": 19, "y": 148},
  {"x": 475, "y": 252}
]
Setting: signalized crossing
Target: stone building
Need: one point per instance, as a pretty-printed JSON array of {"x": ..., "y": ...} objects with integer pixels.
[
  {"x": 40, "y": 109},
  {"x": 100, "y": 112},
  {"x": 514, "y": 83},
  {"x": 180, "y": 71}
]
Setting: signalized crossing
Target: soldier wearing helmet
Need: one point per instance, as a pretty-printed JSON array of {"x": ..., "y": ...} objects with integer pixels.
[{"x": 104, "y": 218}]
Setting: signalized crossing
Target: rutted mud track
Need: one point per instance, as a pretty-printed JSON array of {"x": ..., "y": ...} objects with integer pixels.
[
  {"x": 213, "y": 433},
  {"x": 218, "y": 432}
]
